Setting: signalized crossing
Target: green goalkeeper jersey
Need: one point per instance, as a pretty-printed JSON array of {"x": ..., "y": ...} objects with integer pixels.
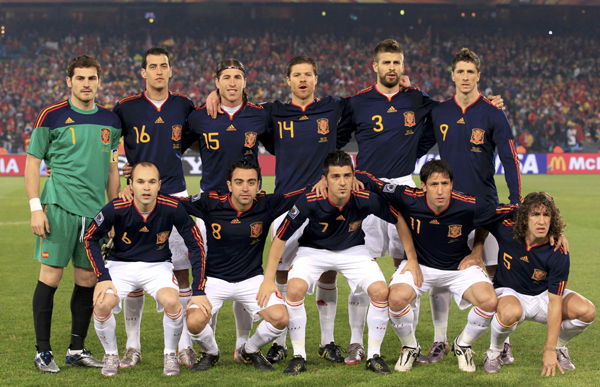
[{"x": 78, "y": 145}]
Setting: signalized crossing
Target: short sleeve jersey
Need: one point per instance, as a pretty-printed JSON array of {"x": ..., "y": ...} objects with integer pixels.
[
  {"x": 155, "y": 134},
  {"x": 78, "y": 145}
]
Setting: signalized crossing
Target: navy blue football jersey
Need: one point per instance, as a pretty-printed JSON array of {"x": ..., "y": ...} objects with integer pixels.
[
  {"x": 440, "y": 238},
  {"x": 388, "y": 129},
  {"x": 331, "y": 227},
  {"x": 139, "y": 239},
  {"x": 467, "y": 140},
  {"x": 235, "y": 241},
  {"x": 154, "y": 134},
  {"x": 225, "y": 140},
  {"x": 529, "y": 270},
  {"x": 303, "y": 137}
]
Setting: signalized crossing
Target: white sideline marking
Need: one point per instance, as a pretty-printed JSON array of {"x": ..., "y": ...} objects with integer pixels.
[{"x": 12, "y": 223}]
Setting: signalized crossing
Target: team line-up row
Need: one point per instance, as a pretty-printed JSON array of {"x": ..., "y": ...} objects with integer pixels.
[{"x": 436, "y": 236}]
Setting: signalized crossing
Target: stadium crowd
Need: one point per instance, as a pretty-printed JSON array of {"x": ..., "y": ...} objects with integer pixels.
[{"x": 546, "y": 81}]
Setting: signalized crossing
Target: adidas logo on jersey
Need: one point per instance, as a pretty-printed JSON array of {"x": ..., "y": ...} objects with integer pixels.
[
  {"x": 435, "y": 221},
  {"x": 341, "y": 217},
  {"x": 303, "y": 118},
  {"x": 392, "y": 110},
  {"x": 159, "y": 121},
  {"x": 144, "y": 229},
  {"x": 69, "y": 121},
  {"x": 231, "y": 128},
  {"x": 525, "y": 259},
  {"x": 236, "y": 221},
  {"x": 461, "y": 121}
]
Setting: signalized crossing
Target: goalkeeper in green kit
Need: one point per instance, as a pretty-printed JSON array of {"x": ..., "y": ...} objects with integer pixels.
[{"x": 79, "y": 141}]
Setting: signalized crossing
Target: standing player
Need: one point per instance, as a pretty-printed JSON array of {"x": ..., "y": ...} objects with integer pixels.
[
  {"x": 333, "y": 240},
  {"x": 152, "y": 130},
  {"x": 141, "y": 258},
  {"x": 223, "y": 141},
  {"x": 78, "y": 140},
  {"x": 468, "y": 129},
  {"x": 531, "y": 284},
  {"x": 440, "y": 220},
  {"x": 239, "y": 222}
]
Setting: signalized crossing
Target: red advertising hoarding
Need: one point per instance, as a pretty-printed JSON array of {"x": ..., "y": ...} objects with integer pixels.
[{"x": 573, "y": 163}]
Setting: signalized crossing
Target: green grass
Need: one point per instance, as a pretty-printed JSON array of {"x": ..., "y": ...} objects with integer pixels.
[{"x": 575, "y": 195}]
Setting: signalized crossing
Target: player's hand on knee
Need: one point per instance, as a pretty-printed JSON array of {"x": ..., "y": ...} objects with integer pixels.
[
  {"x": 39, "y": 223},
  {"x": 321, "y": 188},
  {"x": 264, "y": 293},
  {"x": 127, "y": 194},
  {"x": 415, "y": 270},
  {"x": 404, "y": 82},
  {"x": 550, "y": 363},
  {"x": 126, "y": 171},
  {"x": 471, "y": 260},
  {"x": 203, "y": 304},
  {"x": 213, "y": 104},
  {"x": 559, "y": 242},
  {"x": 101, "y": 289},
  {"x": 497, "y": 101}
]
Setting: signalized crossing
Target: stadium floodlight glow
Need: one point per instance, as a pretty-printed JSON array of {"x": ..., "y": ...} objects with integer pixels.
[
  {"x": 353, "y": 17},
  {"x": 462, "y": 14},
  {"x": 549, "y": 32},
  {"x": 473, "y": 14},
  {"x": 402, "y": 12},
  {"x": 323, "y": 13}
]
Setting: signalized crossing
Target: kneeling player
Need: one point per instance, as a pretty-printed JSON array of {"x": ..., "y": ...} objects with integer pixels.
[
  {"x": 440, "y": 220},
  {"x": 531, "y": 284},
  {"x": 141, "y": 259},
  {"x": 238, "y": 225},
  {"x": 333, "y": 240}
]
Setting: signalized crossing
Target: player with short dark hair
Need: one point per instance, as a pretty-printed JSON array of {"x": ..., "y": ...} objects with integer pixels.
[
  {"x": 468, "y": 129},
  {"x": 141, "y": 258},
  {"x": 153, "y": 122},
  {"x": 333, "y": 240},
  {"x": 79, "y": 140},
  {"x": 440, "y": 220},
  {"x": 531, "y": 284},
  {"x": 238, "y": 226}
]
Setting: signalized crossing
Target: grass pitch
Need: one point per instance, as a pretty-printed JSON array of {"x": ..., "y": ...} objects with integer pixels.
[{"x": 576, "y": 195}]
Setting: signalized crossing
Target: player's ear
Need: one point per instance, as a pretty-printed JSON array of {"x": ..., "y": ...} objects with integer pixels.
[
  {"x": 424, "y": 186},
  {"x": 143, "y": 72},
  {"x": 288, "y": 81},
  {"x": 69, "y": 83},
  {"x": 375, "y": 67},
  {"x": 217, "y": 83},
  {"x": 229, "y": 185}
]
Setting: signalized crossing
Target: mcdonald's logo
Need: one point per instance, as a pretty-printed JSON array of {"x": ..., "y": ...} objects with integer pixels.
[{"x": 557, "y": 164}]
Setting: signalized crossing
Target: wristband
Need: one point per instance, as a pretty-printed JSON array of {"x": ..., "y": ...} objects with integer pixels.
[
  {"x": 35, "y": 204},
  {"x": 552, "y": 349}
]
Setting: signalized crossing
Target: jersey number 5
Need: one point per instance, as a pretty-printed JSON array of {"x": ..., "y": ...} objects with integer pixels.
[{"x": 506, "y": 260}]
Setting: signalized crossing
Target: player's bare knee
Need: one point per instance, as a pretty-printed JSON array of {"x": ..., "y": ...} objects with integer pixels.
[
  {"x": 588, "y": 312},
  {"x": 50, "y": 275},
  {"x": 196, "y": 321},
  {"x": 104, "y": 308},
  {"x": 508, "y": 314},
  {"x": 398, "y": 298},
  {"x": 488, "y": 303},
  {"x": 296, "y": 289},
  {"x": 328, "y": 277},
  {"x": 277, "y": 316},
  {"x": 84, "y": 277},
  {"x": 378, "y": 291}
]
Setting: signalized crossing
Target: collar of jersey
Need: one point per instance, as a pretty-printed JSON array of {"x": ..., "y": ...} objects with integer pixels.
[{"x": 76, "y": 109}]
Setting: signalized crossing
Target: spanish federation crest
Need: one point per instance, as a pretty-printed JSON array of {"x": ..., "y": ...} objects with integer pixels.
[
  {"x": 294, "y": 212},
  {"x": 256, "y": 229},
  {"x": 250, "y": 139},
  {"x": 176, "y": 132},
  {"x": 454, "y": 230},
  {"x": 389, "y": 188},
  {"x": 477, "y": 136},
  {"x": 409, "y": 119},
  {"x": 539, "y": 275},
  {"x": 322, "y": 126},
  {"x": 105, "y": 135},
  {"x": 162, "y": 237},
  {"x": 354, "y": 226}
]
